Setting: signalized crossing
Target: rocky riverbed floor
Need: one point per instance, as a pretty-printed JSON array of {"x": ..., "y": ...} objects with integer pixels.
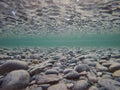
[{"x": 59, "y": 69}]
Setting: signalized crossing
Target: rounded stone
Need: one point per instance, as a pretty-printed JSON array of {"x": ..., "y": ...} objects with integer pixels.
[
  {"x": 82, "y": 67},
  {"x": 109, "y": 84},
  {"x": 12, "y": 65},
  {"x": 72, "y": 75},
  {"x": 16, "y": 80},
  {"x": 93, "y": 88},
  {"x": 114, "y": 67},
  {"x": 81, "y": 85}
]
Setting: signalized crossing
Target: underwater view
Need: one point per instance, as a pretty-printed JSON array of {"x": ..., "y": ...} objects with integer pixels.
[{"x": 59, "y": 44}]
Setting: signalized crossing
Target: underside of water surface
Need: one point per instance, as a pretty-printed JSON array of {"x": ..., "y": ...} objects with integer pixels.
[{"x": 59, "y": 23}]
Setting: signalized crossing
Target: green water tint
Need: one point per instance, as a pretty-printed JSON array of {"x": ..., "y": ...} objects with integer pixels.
[{"x": 71, "y": 40}]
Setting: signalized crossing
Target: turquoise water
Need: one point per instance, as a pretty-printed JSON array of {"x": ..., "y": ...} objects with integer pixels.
[{"x": 72, "y": 40}]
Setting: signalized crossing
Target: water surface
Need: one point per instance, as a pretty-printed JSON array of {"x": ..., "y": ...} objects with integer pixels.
[{"x": 71, "y": 40}]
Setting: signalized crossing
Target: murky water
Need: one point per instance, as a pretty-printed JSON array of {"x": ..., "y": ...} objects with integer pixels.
[{"x": 71, "y": 40}]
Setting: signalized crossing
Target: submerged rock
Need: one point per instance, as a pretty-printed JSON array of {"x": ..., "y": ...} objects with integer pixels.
[
  {"x": 82, "y": 67},
  {"x": 114, "y": 67},
  {"x": 59, "y": 86},
  {"x": 109, "y": 84},
  {"x": 93, "y": 88},
  {"x": 16, "y": 80},
  {"x": 47, "y": 79},
  {"x": 116, "y": 73},
  {"x": 81, "y": 85},
  {"x": 51, "y": 71},
  {"x": 13, "y": 65},
  {"x": 72, "y": 75}
]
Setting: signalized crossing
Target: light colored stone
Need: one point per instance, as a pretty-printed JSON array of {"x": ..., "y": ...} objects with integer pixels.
[
  {"x": 47, "y": 79},
  {"x": 93, "y": 88},
  {"x": 116, "y": 73},
  {"x": 81, "y": 85},
  {"x": 59, "y": 86}
]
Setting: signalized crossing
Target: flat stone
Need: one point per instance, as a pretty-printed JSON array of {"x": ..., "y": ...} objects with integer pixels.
[
  {"x": 82, "y": 67},
  {"x": 36, "y": 70},
  {"x": 115, "y": 56},
  {"x": 59, "y": 86},
  {"x": 116, "y": 73},
  {"x": 81, "y": 85},
  {"x": 16, "y": 80},
  {"x": 47, "y": 79},
  {"x": 51, "y": 71},
  {"x": 109, "y": 84},
  {"x": 114, "y": 67}
]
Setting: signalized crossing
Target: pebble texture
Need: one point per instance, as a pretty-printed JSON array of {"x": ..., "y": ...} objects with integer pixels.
[
  {"x": 59, "y": 69},
  {"x": 37, "y": 16}
]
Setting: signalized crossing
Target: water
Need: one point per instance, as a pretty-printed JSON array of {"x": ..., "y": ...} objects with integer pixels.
[{"x": 71, "y": 40}]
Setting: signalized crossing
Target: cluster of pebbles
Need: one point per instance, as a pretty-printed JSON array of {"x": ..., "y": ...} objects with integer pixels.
[{"x": 59, "y": 69}]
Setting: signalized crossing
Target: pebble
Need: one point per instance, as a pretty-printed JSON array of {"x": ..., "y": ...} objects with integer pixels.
[
  {"x": 13, "y": 65},
  {"x": 109, "y": 84},
  {"x": 59, "y": 86},
  {"x": 92, "y": 77},
  {"x": 67, "y": 70},
  {"x": 51, "y": 71},
  {"x": 35, "y": 61},
  {"x": 35, "y": 70},
  {"x": 72, "y": 75},
  {"x": 116, "y": 73},
  {"x": 114, "y": 67},
  {"x": 47, "y": 79},
  {"x": 93, "y": 88},
  {"x": 81, "y": 85},
  {"x": 82, "y": 67},
  {"x": 70, "y": 85},
  {"x": 16, "y": 80},
  {"x": 101, "y": 68}
]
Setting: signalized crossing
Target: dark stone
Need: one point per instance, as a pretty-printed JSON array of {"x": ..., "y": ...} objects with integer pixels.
[
  {"x": 82, "y": 67},
  {"x": 72, "y": 75},
  {"x": 109, "y": 84}
]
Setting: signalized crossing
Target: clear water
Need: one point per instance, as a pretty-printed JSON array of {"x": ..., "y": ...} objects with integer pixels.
[{"x": 71, "y": 40}]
